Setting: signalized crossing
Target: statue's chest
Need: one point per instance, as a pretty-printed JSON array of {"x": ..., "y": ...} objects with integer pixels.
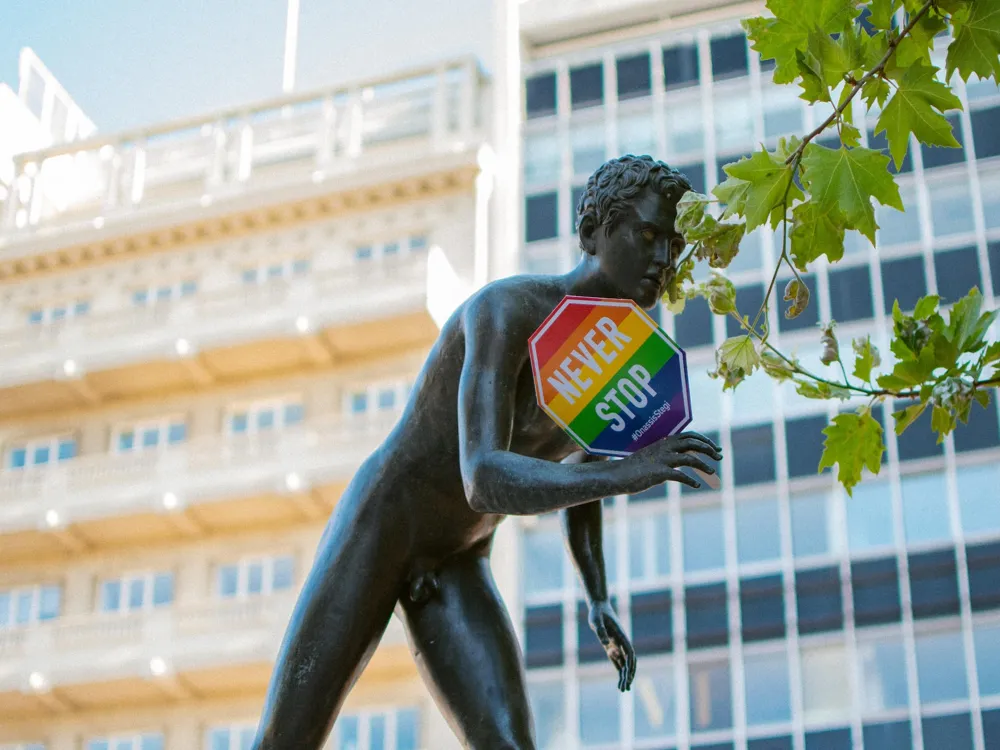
[{"x": 535, "y": 432}]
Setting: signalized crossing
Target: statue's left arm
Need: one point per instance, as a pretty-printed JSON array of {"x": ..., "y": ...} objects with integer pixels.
[{"x": 583, "y": 529}]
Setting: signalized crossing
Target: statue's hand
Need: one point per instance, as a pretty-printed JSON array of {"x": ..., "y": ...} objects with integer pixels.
[
  {"x": 604, "y": 622},
  {"x": 667, "y": 454}
]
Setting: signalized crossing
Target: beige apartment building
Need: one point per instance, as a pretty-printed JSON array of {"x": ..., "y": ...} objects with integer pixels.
[{"x": 205, "y": 326}]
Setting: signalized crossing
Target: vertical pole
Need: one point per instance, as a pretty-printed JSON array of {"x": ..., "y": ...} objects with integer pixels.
[{"x": 291, "y": 47}]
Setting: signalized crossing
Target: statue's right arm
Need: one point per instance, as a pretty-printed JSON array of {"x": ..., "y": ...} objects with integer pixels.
[{"x": 499, "y": 481}]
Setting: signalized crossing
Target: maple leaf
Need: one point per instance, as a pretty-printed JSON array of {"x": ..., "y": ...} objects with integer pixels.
[
  {"x": 816, "y": 230},
  {"x": 866, "y": 358},
  {"x": 854, "y": 442},
  {"x": 881, "y": 13},
  {"x": 914, "y": 109},
  {"x": 847, "y": 179},
  {"x": 768, "y": 178},
  {"x": 976, "y": 47}
]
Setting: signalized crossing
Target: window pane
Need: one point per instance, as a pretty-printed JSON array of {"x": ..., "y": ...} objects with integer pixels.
[
  {"x": 782, "y": 111},
  {"x": 709, "y": 696},
  {"x": 176, "y": 432},
  {"x": 826, "y": 692},
  {"x": 705, "y": 395},
  {"x": 49, "y": 601},
  {"x": 111, "y": 596},
  {"x": 869, "y": 516},
  {"x": 661, "y": 543},
  {"x": 5, "y": 613},
  {"x": 228, "y": 580},
  {"x": 898, "y": 227},
  {"x": 22, "y": 613},
  {"x": 41, "y": 456},
  {"x": 598, "y": 711},
  {"x": 925, "y": 508},
  {"x": 547, "y": 704},
  {"x": 18, "y": 458},
  {"x": 294, "y": 413},
  {"x": 541, "y": 217},
  {"x": 951, "y": 205},
  {"x": 543, "y": 561},
  {"x": 940, "y": 667},
  {"x": 633, "y": 76},
  {"x": 265, "y": 419},
  {"x": 587, "y": 144},
  {"x": 637, "y": 548},
  {"x": 151, "y": 742},
  {"x": 989, "y": 187},
  {"x": 636, "y": 134},
  {"x": 586, "y": 85},
  {"x": 283, "y": 574},
  {"x": 541, "y": 159},
  {"x": 655, "y": 703},
  {"x": 704, "y": 547},
  {"x": 386, "y": 398},
  {"x": 540, "y": 94},
  {"x": 364, "y": 252},
  {"x": 685, "y": 129},
  {"x": 987, "y": 640},
  {"x": 67, "y": 449},
  {"x": 812, "y": 524},
  {"x": 407, "y": 722},
  {"x": 150, "y": 437},
  {"x": 255, "y": 577},
  {"x": 101, "y": 745},
  {"x": 359, "y": 403},
  {"x": 977, "y": 500},
  {"x": 390, "y": 248},
  {"x": 758, "y": 530},
  {"x": 136, "y": 592},
  {"x": 767, "y": 692},
  {"x": 239, "y": 422},
  {"x": 376, "y": 733},
  {"x": 733, "y": 120},
  {"x": 753, "y": 399},
  {"x": 163, "y": 589},
  {"x": 882, "y": 667}
]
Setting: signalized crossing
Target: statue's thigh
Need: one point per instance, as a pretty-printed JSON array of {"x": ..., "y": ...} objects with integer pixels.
[{"x": 466, "y": 649}]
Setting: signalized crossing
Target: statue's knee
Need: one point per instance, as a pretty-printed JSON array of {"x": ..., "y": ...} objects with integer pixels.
[{"x": 424, "y": 586}]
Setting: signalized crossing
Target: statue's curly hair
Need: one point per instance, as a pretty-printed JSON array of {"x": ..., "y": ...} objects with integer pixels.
[{"x": 618, "y": 181}]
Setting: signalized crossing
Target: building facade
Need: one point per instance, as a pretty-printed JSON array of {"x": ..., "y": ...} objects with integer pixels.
[
  {"x": 206, "y": 326},
  {"x": 777, "y": 613}
]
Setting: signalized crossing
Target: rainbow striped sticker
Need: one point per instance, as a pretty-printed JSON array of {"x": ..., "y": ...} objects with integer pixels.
[{"x": 609, "y": 376}]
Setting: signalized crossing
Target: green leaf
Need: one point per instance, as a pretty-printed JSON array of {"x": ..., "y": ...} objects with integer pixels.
[
  {"x": 905, "y": 417},
  {"x": 820, "y": 390},
  {"x": 875, "y": 91},
  {"x": 740, "y": 353},
  {"x": 942, "y": 422},
  {"x": 768, "y": 178},
  {"x": 690, "y": 210},
  {"x": 853, "y": 442},
  {"x": 816, "y": 230},
  {"x": 721, "y": 247},
  {"x": 966, "y": 327},
  {"x": 917, "y": 45},
  {"x": 775, "y": 366},
  {"x": 926, "y": 306},
  {"x": 882, "y": 12},
  {"x": 912, "y": 109},
  {"x": 733, "y": 194},
  {"x": 866, "y": 358},
  {"x": 720, "y": 294},
  {"x": 847, "y": 179},
  {"x": 798, "y": 294},
  {"x": 976, "y": 47},
  {"x": 992, "y": 353}
]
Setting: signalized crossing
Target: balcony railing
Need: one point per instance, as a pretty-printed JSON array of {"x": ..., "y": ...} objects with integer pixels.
[
  {"x": 99, "y": 647},
  {"x": 325, "y": 297},
  {"x": 282, "y": 141},
  {"x": 214, "y": 467}
]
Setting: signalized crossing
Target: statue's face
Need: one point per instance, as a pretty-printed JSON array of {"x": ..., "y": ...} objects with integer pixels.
[{"x": 640, "y": 254}]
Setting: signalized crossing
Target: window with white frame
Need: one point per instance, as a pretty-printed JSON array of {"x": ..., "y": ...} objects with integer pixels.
[
  {"x": 154, "y": 294},
  {"x": 57, "y": 312},
  {"x": 275, "y": 270},
  {"x": 265, "y": 415},
  {"x": 24, "y": 746},
  {"x": 390, "y": 248},
  {"x": 40, "y": 451},
  {"x": 137, "y": 591},
  {"x": 149, "y": 434},
  {"x": 393, "y": 729},
  {"x": 378, "y": 397},
  {"x": 146, "y": 741},
  {"x": 255, "y": 576},
  {"x": 231, "y": 737},
  {"x": 24, "y": 606}
]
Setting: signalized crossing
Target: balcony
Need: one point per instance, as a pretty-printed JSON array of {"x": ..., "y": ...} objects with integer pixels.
[
  {"x": 209, "y": 484},
  {"x": 93, "y": 661},
  {"x": 548, "y": 21},
  {"x": 82, "y": 194},
  {"x": 328, "y": 316}
]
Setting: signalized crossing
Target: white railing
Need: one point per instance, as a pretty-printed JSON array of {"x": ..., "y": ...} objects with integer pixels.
[
  {"x": 281, "y": 141},
  {"x": 236, "y": 315},
  {"x": 323, "y": 449},
  {"x": 96, "y": 647}
]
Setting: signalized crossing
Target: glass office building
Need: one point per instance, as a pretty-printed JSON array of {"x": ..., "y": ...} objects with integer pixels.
[{"x": 778, "y": 612}]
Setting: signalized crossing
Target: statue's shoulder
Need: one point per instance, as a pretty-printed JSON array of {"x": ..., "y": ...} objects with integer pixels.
[{"x": 516, "y": 301}]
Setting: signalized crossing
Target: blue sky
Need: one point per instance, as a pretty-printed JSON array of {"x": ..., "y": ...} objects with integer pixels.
[{"x": 134, "y": 62}]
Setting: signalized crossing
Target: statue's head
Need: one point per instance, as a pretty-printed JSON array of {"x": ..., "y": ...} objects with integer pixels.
[{"x": 626, "y": 221}]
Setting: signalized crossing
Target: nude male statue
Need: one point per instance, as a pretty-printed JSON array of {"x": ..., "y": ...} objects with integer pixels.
[{"x": 413, "y": 529}]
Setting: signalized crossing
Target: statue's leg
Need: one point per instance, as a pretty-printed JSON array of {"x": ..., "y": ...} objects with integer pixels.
[
  {"x": 342, "y": 611},
  {"x": 464, "y": 645}
]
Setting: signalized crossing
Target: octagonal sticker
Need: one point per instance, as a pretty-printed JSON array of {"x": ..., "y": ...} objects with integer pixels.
[{"x": 609, "y": 376}]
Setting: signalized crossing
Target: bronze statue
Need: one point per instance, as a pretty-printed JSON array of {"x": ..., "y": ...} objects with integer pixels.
[{"x": 415, "y": 526}]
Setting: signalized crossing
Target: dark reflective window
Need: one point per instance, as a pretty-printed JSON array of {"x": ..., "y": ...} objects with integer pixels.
[
  {"x": 991, "y": 729},
  {"x": 575, "y": 195},
  {"x": 748, "y": 302},
  {"x": 984, "y": 575},
  {"x": 541, "y": 217},
  {"x": 981, "y": 431},
  {"x": 693, "y": 327},
  {"x": 809, "y": 316},
  {"x": 634, "y": 78},
  {"x": 829, "y": 739},
  {"x": 652, "y": 625},
  {"x": 879, "y": 143},
  {"x": 543, "y": 636},
  {"x": 707, "y": 618},
  {"x": 658, "y": 492},
  {"x": 948, "y": 732},
  {"x": 680, "y": 66},
  {"x": 804, "y": 442},
  {"x": 695, "y": 174},
  {"x": 919, "y": 440},
  {"x": 876, "y": 591},
  {"x": 865, "y": 23},
  {"x": 770, "y": 743},
  {"x": 540, "y": 95},
  {"x": 892, "y": 736},
  {"x": 762, "y": 606},
  {"x": 851, "y": 294},
  {"x": 903, "y": 279},
  {"x": 753, "y": 454},
  {"x": 819, "y": 600},
  {"x": 986, "y": 132},
  {"x": 934, "y": 583},
  {"x": 586, "y": 86},
  {"x": 993, "y": 250},
  {"x": 940, "y": 156},
  {"x": 957, "y": 272},
  {"x": 729, "y": 56}
]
